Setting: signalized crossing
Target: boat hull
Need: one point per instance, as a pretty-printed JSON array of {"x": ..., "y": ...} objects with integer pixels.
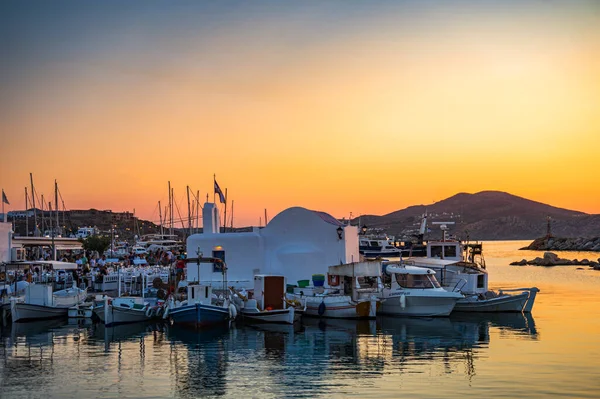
[
  {"x": 80, "y": 312},
  {"x": 503, "y": 303},
  {"x": 281, "y": 316},
  {"x": 340, "y": 307},
  {"x": 418, "y": 306},
  {"x": 21, "y": 312},
  {"x": 198, "y": 315},
  {"x": 113, "y": 315}
]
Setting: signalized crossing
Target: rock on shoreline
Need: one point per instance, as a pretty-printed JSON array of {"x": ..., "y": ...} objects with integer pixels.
[
  {"x": 551, "y": 259},
  {"x": 565, "y": 244}
]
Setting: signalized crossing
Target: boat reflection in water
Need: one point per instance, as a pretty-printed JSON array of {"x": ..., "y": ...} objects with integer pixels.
[
  {"x": 317, "y": 357},
  {"x": 199, "y": 360}
]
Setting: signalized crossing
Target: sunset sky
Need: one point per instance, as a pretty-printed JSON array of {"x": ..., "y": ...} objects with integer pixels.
[{"x": 341, "y": 106}]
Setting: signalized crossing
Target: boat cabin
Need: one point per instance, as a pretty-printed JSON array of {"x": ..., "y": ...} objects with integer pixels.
[
  {"x": 466, "y": 277},
  {"x": 404, "y": 277},
  {"x": 201, "y": 294},
  {"x": 358, "y": 279},
  {"x": 269, "y": 292}
]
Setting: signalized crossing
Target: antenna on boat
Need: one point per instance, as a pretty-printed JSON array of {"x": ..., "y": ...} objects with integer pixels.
[{"x": 444, "y": 228}]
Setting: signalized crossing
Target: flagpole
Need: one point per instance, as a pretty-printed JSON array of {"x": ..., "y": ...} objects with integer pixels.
[
  {"x": 3, "y": 214},
  {"x": 214, "y": 188}
]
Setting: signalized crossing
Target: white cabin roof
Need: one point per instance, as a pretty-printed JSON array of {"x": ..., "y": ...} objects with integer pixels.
[
  {"x": 429, "y": 262},
  {"x": 408, "y": 270},
  {"x": 357, "y": 269}
]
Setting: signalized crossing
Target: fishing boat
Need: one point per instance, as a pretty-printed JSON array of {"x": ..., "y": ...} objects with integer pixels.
[
  {"x": 353, "y": 292},
  {"x": 461, "y": 268},
  {"x": 128, "y": 309},
  {"x": 374, "y": 246},
  {"x": 267, "y": 302},
  {"x": 40, "y": 300},
  {"x": 414, "y": 291},
  {"x": 41, "y": 303},
  {"x": 200, "y": 307}
]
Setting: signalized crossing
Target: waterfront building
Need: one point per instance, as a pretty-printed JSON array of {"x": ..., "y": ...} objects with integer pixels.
[{"x": 296, "y": 243}]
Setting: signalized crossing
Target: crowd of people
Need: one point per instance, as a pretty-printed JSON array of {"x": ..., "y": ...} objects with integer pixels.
[{"x": 92, "y": 263}]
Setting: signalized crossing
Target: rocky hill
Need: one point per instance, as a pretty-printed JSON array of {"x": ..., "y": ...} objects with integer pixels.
[{"x": 488, "y": 215}]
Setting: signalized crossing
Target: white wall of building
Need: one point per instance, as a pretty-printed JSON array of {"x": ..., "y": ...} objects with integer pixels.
[{"x": 297, "y": 243}]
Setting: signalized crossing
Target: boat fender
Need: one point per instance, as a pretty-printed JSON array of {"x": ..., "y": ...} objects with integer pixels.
[
  {"x": 403, "y": 301},
  {"x": 322, "y": 308},
  {"x": 232, "y": 312},
  {"x": 166, "y": 313},
  {"x": 159, "y": 311},
  {"x": 149, "y": 312}
]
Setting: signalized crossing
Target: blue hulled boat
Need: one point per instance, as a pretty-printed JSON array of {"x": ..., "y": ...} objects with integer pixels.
[
  {"x": 199, "y": 315},
  {"x": 201, "y": 308}
]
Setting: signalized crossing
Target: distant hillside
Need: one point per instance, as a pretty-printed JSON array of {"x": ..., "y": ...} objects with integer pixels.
[
  {"x": 489, "y": 215},
  {"x": 125, "y": 224}
]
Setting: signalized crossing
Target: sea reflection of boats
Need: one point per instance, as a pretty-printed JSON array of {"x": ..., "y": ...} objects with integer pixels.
[
  {"x": 122, "y": 332},
  {"x": 199, "y": 366},
  {"x": 458, "y": 332},
  {"x": 518, "y": 324},
  {"x": 39, "y": 332}
]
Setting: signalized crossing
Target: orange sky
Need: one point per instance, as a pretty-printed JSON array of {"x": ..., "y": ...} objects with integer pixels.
[{"x": 337, "y": 107}]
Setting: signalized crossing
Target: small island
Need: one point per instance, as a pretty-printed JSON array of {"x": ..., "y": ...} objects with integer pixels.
[{"x": 551, "y": 259}]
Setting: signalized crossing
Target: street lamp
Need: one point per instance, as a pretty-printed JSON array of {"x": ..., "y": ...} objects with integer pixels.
[
  {"x": 364, "y": 229},
  {"x": 339, "y": 232}
]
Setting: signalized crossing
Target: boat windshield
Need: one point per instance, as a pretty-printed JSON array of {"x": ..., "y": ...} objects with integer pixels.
[{"x": 417, "y": 281}]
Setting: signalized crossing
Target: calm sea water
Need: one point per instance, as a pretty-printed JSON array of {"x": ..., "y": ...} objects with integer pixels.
[{"x": 553, "y": 352}]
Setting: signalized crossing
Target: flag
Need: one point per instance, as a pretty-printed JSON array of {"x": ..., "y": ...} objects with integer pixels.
[
  {"x": 4, "y": 199},
  {"x": 218, "y": 191}
]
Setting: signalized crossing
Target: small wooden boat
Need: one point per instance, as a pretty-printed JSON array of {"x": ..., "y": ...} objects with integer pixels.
[{"x": 268, "y": 303}]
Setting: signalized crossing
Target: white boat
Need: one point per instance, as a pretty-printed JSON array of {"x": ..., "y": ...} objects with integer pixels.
[
  {"x": 461, "y": 267},
  {"x": 41, "y": 303},
  {"x": 268, "y": 303},
  {"x": 353, "y": 292},
  {"x": 374, "y": 246},
  {"x": 127, "y": 309},
  {"x": 124, "y": 310},
  {"x": 414, "y": 291}
]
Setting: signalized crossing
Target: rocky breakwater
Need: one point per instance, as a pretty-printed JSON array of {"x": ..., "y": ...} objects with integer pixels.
[
  {"x": 565, "y": 244},
  {"x": 551, "y": 259}
]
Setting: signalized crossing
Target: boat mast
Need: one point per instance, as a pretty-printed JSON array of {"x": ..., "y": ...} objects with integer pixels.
[
  {"x": 225, "y": 213},
  {"x": 169, "y": 209},
  {"x": 26, "y": 214},
  {"x": 197, "y": 210},
  {"x": 56, "y": 205},
  {"x": 162, "y": 232},
  {"x": 172, "y": 210},
  {"x": 33, "y": 203},
  {"x": 43, "y": 218},
  {"x": 189, "y": 210},
  {"x": 52, "y": 232},
  {"x": 231, "y": 215}
]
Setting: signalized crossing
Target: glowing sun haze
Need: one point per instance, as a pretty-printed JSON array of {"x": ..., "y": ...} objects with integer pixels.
[{"x": 362, "y": 107}]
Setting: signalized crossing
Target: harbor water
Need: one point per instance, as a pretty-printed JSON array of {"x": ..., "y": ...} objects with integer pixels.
[{"x": 555, "y": 351}]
